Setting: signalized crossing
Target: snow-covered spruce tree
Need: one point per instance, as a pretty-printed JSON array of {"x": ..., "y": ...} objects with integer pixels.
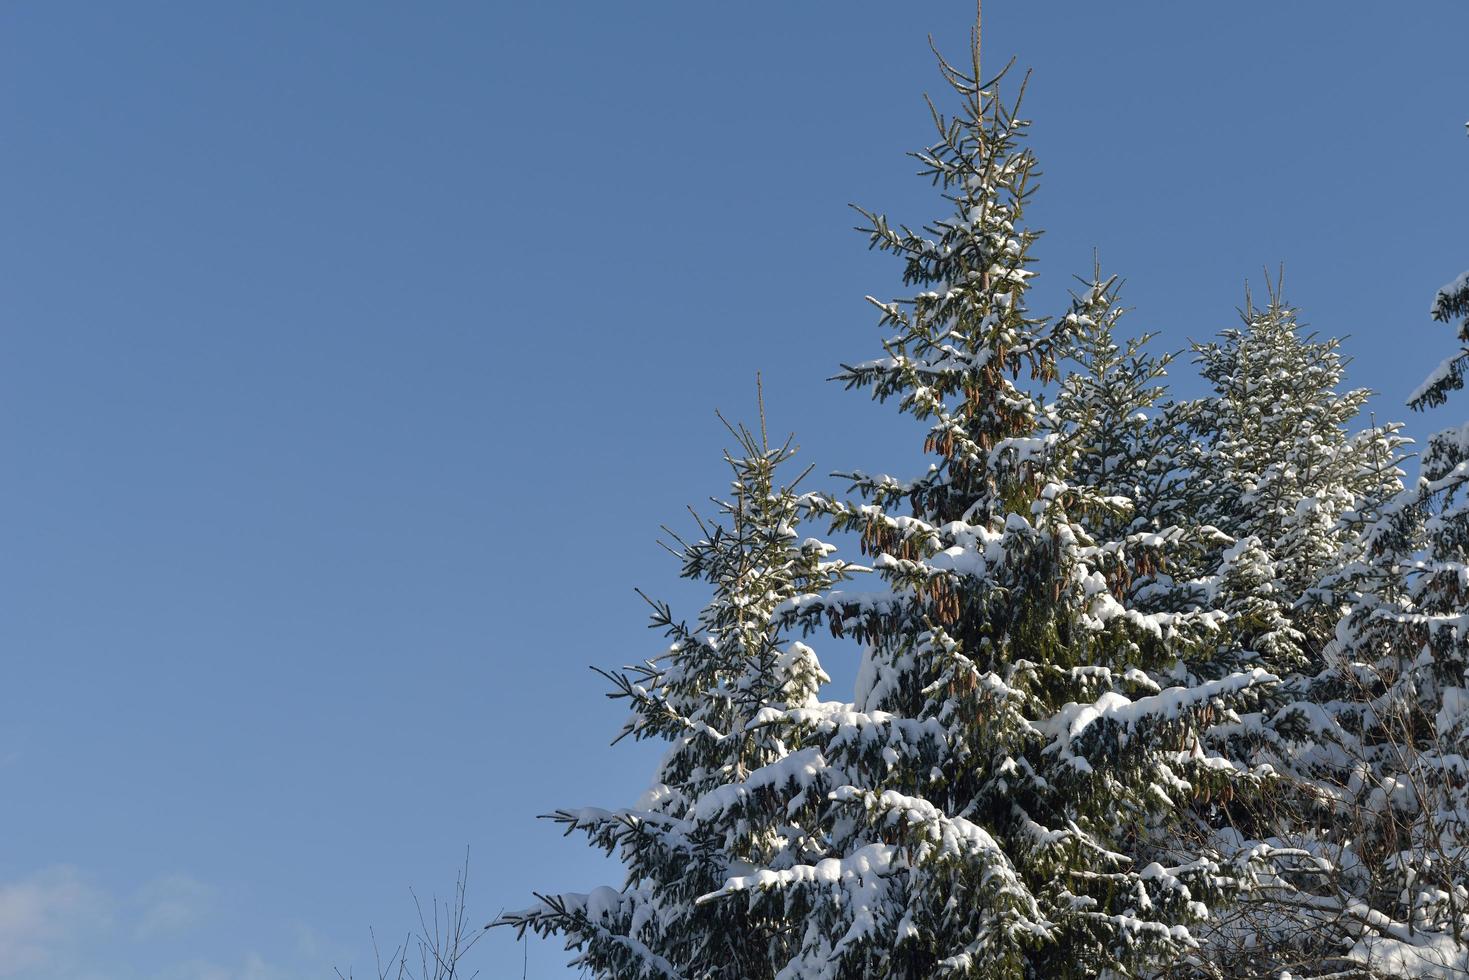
[
  {"x": 1282, "y": 475},
  {"x": 1281, "y": 465},
  {"x": 1121, "y": 435},
  {"x": 1386, "y": 888},
  {"x": 1375, "y": 806},
  {"x": 1404, "y": 648},
  {"x": 736, "y": 700},
  {"x": 1419, "y": 718},
  {"x": 1112, "y": 413},
  {"x": 995, "y": 839}
]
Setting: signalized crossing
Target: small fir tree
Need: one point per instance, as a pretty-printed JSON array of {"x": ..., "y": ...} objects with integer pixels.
[
  {"x": 1112, "y": 415},
  {"x": 737, "y": 702},
  {"x": 1282, "y": 465},
  {"x": 1121, "y": 435}
]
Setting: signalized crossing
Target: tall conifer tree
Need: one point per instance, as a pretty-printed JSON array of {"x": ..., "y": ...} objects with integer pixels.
[
  {"x": 1025, "y": 720},
  {"x": 1002, "y": 847},
  {"x": 1405, "y": 642}
]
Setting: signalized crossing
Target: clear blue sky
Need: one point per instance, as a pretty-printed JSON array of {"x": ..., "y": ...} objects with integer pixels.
[{"x": 351, "y": 354}]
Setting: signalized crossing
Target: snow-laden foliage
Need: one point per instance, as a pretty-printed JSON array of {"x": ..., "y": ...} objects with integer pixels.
[
  {"x": 1450, "y": 303},
  {"x": 1147, "y": 688},
  {"x": 1007, "y": 626},
  {"x": 1390, "y": 884},
  {"x": 1276, "y": 470},
  {"x": 1281, "y": 464},
  {"x": 1121, "y": 434},
  {"x": 1402, "y": 657},
  {"x": 1368, "y": 833},
  {"x": 1189, "y": 470},
  {"x": 736, "y": 699}
]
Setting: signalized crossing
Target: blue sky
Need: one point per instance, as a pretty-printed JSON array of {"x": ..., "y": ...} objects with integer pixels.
[{"x": 352, "y": 354}]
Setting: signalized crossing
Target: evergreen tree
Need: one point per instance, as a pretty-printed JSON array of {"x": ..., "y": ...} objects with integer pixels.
[
  {"x": 1370, "y": 852},
  {"x": 1281, "y": 473},
  {"x": 1282, "y": 465},
  {"x": 1108, "y": 413},
  {"x": 1122, "y": 436},
  {"x": 737, "y": 701},
  {"x": 1389, "y": 888},
  {"x": 1405, "y": 643},
  {"x": 995, "y": 840}
]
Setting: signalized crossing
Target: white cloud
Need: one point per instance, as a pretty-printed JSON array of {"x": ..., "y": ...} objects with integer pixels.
[
  {"x": 171, "y": 904},
  {"x": 58, "y": 924},
  {"x": 42, "y": 915}
]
